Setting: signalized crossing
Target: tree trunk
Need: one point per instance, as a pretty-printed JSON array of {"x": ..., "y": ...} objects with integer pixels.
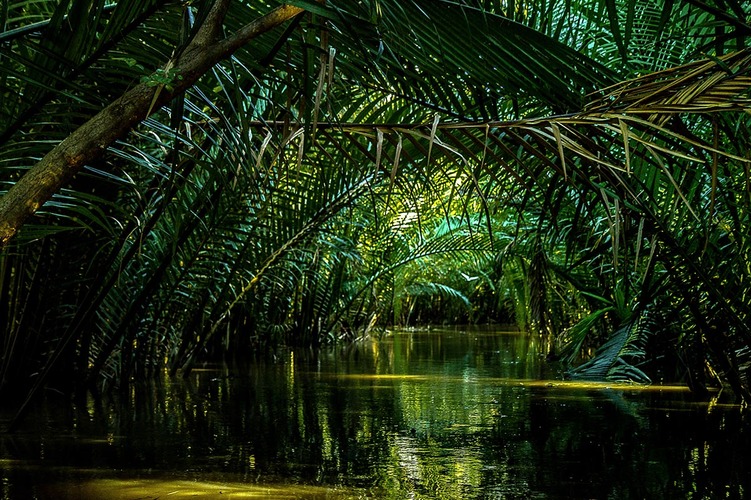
[{"x": 92, "y": 139}]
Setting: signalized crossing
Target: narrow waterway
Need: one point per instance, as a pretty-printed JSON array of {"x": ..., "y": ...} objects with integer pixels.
[{"x": 431, "y": 414}]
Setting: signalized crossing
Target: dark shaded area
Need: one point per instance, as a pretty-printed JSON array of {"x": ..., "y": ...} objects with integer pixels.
[{"x": 435, "y": 414}]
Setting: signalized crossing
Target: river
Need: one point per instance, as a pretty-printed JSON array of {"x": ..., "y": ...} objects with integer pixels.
[{"x": 441, "y": 413}]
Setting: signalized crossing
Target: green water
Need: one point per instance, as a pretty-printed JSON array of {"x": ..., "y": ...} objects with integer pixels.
[{"x": 435, "y": 414}]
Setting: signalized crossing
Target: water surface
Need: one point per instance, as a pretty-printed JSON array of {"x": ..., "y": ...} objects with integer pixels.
[{"x": 428, "y": 414}]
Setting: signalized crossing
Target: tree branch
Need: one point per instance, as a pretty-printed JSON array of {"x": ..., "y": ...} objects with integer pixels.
[{"x": 92, "y": 139}]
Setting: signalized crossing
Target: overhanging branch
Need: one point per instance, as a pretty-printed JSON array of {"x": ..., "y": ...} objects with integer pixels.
[{"x": 92, "y": 139}]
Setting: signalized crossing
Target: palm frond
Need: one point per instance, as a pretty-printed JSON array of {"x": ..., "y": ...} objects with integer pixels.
[
  {"x": 615, "y": 359},
  {"x": 300, "y": 186}
]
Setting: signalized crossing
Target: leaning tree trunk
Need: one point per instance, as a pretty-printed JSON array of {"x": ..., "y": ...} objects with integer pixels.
[{"x": 93, "y": 138}]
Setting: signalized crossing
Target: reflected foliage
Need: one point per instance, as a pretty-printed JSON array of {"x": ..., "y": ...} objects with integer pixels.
[{"x": 441, "y": 414}]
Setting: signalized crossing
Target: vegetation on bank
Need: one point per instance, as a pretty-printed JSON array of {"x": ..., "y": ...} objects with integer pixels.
[{"x": 201, "y": 180}]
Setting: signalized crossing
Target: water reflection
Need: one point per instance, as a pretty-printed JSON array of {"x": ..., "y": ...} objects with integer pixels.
[{"x": 439, "y": 414}]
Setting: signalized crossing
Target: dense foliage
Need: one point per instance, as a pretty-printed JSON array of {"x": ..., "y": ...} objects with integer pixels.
[{"x": 579, "y": 167}]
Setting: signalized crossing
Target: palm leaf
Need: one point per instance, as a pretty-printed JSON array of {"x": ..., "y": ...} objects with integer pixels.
[{"x": 614, "y": 359}]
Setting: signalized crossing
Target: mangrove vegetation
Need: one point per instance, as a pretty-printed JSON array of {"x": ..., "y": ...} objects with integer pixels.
[{"x": 207, "y": 180}]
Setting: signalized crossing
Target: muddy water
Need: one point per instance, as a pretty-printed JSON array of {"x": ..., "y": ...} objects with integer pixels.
[{"x": 433, "y": 414}]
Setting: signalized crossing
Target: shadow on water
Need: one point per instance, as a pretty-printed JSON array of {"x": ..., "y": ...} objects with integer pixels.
[{"x": 434, "y": 414}]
